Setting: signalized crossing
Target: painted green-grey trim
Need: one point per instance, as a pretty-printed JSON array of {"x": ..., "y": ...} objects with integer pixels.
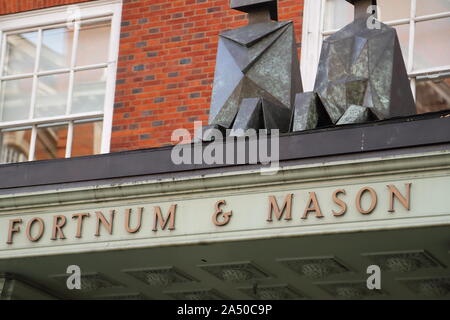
[{"x": 321, "y": 171}]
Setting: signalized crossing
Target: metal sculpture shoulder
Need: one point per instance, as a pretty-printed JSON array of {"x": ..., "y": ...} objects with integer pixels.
[
  {"x": 361, "y": 76},
  {"x": 257, "y": 72}
]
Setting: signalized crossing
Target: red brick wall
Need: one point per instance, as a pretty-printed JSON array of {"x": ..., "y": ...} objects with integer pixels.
[
  {"x": 166, "y": 67},
  {"x": 14, "y": 6},
  {"x": 166, "y": 62}
]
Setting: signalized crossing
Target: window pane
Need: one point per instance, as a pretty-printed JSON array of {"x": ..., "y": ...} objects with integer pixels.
[
  {"x": 89, "y": 90},
  {"x": 393, "y": 10},
  {"x": 51, "y": 99},
  {"x": 425, "y": 7},
  {"x": 94, "y": 37},
  {"x": 432, "y": 45},
  {"x": 15, "y": 146},
  {"x": 403, "y": 37},
  {"x": 51, "y": 143},
  {"x": 338, "y": 13},
  {"x": 20, "y": 53},
  {"x": 433, "y": 95},
  {"x": 56, "y": 50},
  {"x": 87, "y": 138},
  {"x": 16, "y": 99}
]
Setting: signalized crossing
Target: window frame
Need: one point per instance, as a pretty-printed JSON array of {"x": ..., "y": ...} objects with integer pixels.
[
  {"x": 314, "y": 33},
  {"x": 63, "y": 15}
]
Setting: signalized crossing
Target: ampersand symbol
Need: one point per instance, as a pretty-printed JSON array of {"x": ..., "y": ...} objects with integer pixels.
[{"x": 219, "y": 212}]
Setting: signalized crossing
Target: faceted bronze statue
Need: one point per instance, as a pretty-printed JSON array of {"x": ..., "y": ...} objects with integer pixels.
[
  {"x": 257, "y": 72},
  {"x": 361, "y": 76}
]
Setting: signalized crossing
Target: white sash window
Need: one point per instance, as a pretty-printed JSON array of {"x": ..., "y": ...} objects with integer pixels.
[
  {"x": 57, "y": 80},
  {"x": 423, "y": 27}
]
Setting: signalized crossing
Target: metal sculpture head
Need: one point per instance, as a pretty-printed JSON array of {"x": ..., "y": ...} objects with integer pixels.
[
  {"x": 258, "y": 10},
  {"x": 361, "y": 7}
]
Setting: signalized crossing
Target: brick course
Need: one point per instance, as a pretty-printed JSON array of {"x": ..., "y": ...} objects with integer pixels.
[{"x": 15, "y": 6}]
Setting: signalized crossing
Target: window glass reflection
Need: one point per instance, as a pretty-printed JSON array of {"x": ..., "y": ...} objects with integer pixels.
[
  {"x": 432, "y": 45},
  {"x": 56, "y": 50},
  {"x": 89, "y": 91},
  {"x": 51, "y": 142},
  {"x": 403, "y": 38},
  {"x": 15, "y": 146},
  {"x": 20, "y": 53},
  {"x": 394, "y": 10},
  {"x": 15, "y": 99},
  {"x": 87, "y": 138},
  {"x": 51, "y": 99},
  {"x": 433, "y": 95},
  {"x": 93, "y": 37},
  {"x": 426, "y": 7}
]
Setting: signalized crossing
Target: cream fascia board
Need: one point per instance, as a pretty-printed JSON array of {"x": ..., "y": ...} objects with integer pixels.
[
  {"x": 376, "y": 169},
  {"x": 429, "y": 174}
]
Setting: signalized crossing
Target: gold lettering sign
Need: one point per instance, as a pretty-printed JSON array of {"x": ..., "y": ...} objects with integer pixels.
[
  {"x": 273, "y": 208},
  {"x": 303, "y": 206},
  {"x": 128, "y": 213},
  {"x": 339, "y": 202},
  {"x": 313, "y": 204},
  {"x": 104, "y": 224},
  {"x": 219, "y": 212}
]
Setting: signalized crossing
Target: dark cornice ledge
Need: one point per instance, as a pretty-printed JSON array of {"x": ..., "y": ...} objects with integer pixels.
[{"x": 415, "y": 131}]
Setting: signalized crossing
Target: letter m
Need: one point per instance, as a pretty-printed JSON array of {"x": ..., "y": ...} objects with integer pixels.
[
  {"x": 274, "y": 208},
  {"x": 159, "y": 219}
]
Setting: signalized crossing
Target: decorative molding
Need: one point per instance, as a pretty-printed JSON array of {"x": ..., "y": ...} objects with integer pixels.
[
  {"x": 15, "y": 287},
  {"x": 236, "y": 271},
  {"x": 315, "y": 267},
  {"x": 351, "y": 290},
  {"x": 160, "y": 277},
  {"x": 122, "y": 296},
  {"x": 273, "y": 292},
  {"x": 311, "y": 173},
  {"x": 436, "y": 287},
  {"x": 201, "y": 230},
  {"x": 90, "y": 281},
  {"x": 203, "y": 294},
  {"x": 404, "y": 261}
]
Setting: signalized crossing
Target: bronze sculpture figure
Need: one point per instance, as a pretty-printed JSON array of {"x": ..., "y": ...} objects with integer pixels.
[
  {"x": 361, "y": 76},
  {"x": 257, "y": 73}
]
